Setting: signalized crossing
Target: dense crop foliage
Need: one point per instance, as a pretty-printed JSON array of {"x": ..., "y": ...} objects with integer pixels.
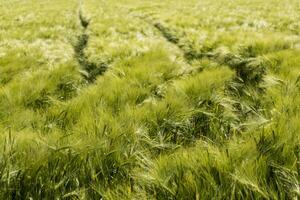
[{"x": 149, "y": 99}]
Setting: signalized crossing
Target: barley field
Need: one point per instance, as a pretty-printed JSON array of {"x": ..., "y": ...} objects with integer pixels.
[{"x": 149, "y": 99}]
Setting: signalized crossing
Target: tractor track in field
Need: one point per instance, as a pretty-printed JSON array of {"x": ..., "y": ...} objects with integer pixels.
[
  {"x": 170, "y": 36},
  {"x": 89, "y": 70},
  {"x": 174, "y": 37},
  {"x": 249, "y": 71}
]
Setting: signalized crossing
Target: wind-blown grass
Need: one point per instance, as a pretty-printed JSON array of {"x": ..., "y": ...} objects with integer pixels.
[{"x": 149, "y": 99}]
